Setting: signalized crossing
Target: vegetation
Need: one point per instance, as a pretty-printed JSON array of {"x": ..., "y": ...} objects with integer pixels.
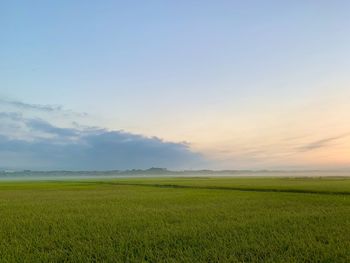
[{"x": 176, "y": 220}]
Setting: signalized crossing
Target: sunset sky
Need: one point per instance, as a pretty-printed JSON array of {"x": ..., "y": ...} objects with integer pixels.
[{"x": 176, "y": 84}]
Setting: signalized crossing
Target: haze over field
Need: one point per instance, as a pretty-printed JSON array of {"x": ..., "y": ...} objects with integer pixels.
[{"x": 106, "y": 85}]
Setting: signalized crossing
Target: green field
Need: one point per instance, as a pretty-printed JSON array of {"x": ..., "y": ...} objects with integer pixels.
[{"x": 176, "y": 220}]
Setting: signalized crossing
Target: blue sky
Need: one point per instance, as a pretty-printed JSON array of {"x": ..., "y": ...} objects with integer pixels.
[{"x": 235, "y": 80}]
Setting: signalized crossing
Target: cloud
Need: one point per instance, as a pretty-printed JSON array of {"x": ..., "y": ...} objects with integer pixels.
[
  {"x": 38, "y": 107},
  {"x": 28, "y": 106},
  {"x": 10, "y": 115},
  {"x": 43, "y": 126},
  {"x": 321, "y": 143},
  {"x": 38, "y": 144}
]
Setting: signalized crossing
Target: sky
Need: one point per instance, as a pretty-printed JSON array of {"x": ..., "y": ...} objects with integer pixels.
[{"x": 100, "y": 85}]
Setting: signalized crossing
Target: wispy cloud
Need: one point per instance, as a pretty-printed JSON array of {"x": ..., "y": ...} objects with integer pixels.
[
  {"x": 38, "y": 107},
  {"x": 28, "y": 106},
  {"x": 10, "y": 115},
  {"x": 325, "y": 142}
]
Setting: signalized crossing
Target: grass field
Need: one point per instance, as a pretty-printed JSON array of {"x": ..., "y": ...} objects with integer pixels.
[{"x": 176, "y": 220}]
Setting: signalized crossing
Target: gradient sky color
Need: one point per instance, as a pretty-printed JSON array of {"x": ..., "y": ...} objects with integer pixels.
[{"x": 247, "y": 84}]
